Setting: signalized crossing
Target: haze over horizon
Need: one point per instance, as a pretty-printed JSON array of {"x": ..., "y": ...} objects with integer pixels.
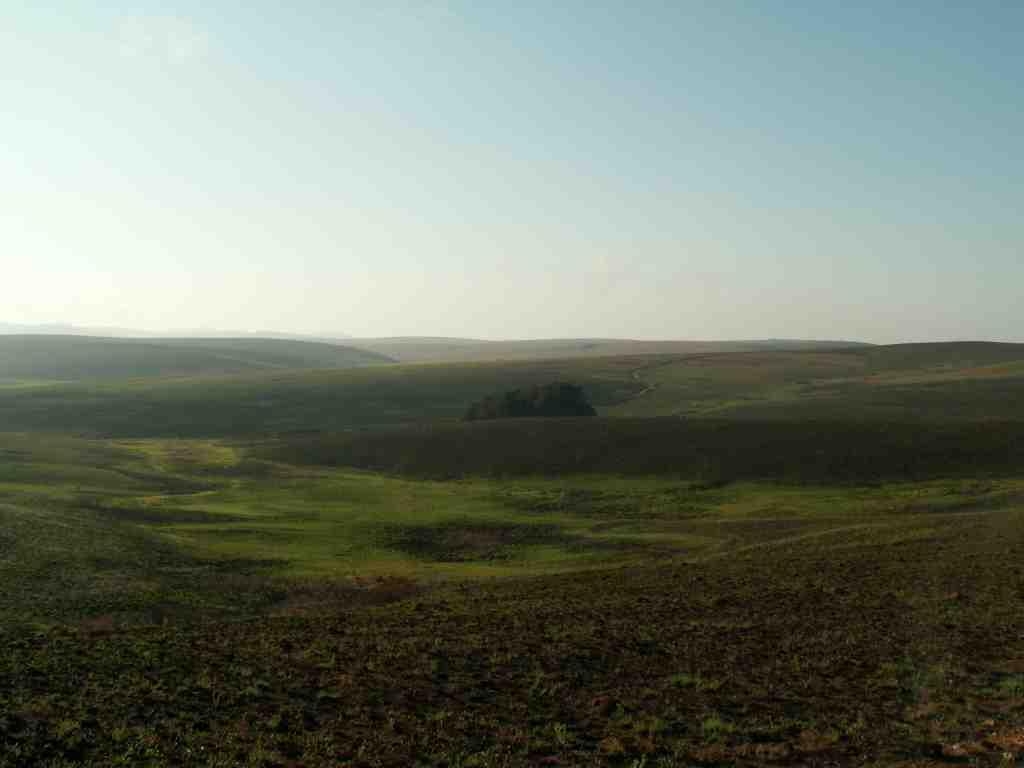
[
  {"x": 663, "y": 171},
  {"x": 76, "y": 329}
]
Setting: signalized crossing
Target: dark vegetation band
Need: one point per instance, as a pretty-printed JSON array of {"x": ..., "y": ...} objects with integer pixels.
[{"x": 705, "y": 450}]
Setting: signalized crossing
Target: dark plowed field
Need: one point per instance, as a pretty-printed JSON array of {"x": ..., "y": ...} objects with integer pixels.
[{"x": 875, "y": 645}]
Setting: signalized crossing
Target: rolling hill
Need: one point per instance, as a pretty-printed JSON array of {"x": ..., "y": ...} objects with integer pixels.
[
  {"x": 36, "y": 358},
  {"x": 236, "y": 390},
  {"x": 421, "y": 349},
  {"x": 269, "y": 401},
  {"x": 790, "y": 558},
  {"x": 431, "y": 349},
  {"x": 902, "y": 382}
]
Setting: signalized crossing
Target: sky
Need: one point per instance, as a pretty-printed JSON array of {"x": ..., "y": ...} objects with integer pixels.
[{"x": 657, "y": 170}]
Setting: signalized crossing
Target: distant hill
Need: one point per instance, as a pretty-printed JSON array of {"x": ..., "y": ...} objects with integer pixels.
[
  {"x": 415, "y": 349},
  {"x": 939, "y": 356},
  {"x": 270, "y": 401},
  {"x": 939, "y": 381},
  {"x": 112, "y": 332},
  {"x": 428, "y": 349},
  {"x": 32, "y": 358},
  {"x": 934, "y": 383}
]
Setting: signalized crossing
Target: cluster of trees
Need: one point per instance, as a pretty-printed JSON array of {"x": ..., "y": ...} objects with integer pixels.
[{"x": 551, "y": 400}]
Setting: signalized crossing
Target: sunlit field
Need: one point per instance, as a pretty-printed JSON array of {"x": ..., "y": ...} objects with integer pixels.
[{"x": 190, "y": 597}]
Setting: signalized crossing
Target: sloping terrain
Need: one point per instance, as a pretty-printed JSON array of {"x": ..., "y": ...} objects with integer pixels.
[
  {"x": 915, "y": 382},
  {"x": 76, "y": 358},
  {"x": 450, "y": 350},
  {"x": 885, "y": 641},
  {"x": 882, "y": 384},
  {"x": 252, "y": 404},
  {"x": 621, "y": 592},
  {"x": 708, "y": 450}
]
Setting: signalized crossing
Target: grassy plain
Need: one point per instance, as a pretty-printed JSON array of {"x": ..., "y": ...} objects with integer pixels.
[
  {"x": 747, "y": 624},
  {"x": 803, "y": 571},
  {"x": 129, "y": 530}
]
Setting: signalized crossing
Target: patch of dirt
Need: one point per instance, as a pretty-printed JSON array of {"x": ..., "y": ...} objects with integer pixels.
[
  {"x": 466, "y": 541},
  {"x": 317, "y": 597},
  {"x": 826, "y": 655}
]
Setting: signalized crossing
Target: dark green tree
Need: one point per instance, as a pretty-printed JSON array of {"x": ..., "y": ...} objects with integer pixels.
[{"x": 556, "y": 400}]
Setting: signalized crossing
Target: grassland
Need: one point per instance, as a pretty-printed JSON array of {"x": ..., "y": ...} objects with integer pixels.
[
  {"x": 819, "y": 565},
  {"x": 129, "y": 530},
  {"x": 704, "y": 450},
  {"x": 907, "y": 382},
  {"x": 911, "y": 383},
  {"x": 456, "y": 350},
  {"x": 43, "y": 358},
  {"x": 282, "y": 401},
  {"x": 653, "y": 621}
]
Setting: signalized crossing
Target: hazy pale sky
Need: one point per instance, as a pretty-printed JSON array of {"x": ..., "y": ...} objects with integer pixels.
[{"x": 516, "y": 169}]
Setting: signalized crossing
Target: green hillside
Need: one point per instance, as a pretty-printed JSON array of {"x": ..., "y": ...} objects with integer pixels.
[
  {"x": 76, "y": 358},
  {"x": 283, "y": 401},
  {"x": 179, "y": 603},
  {"x": 800, "y": 557},
  {"x": 922, "y": 383},
  {"x": 940, "y": 356},
  {"x": 916, "y": 382},
  {"x": 449, "y": 350}
]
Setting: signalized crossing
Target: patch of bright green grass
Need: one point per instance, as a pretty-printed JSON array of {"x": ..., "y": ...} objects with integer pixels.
[
  {"x": 150, "y": 519},
  {"x": 1012, "y": 687}
]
